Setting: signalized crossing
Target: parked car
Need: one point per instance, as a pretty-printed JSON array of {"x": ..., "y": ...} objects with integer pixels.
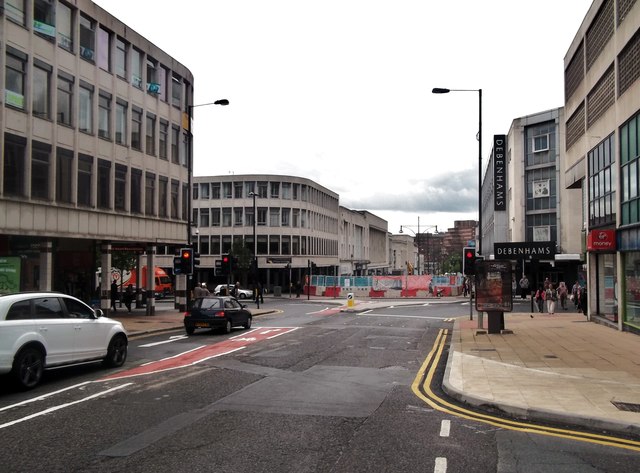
[
  {"x": 242, "y": 293},
  {"x": 217, "y": 312},
  {"x": 40, "y": 330}
]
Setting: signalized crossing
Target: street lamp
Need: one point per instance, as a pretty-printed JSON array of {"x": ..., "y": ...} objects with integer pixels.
[
  {"x": 190, "y": 161},
  {"x": 189, "y": 178},
  {"x": 438, "y": 90},
  {"x": 255, "y": 248},
  {"x": 418, "y": 237}
]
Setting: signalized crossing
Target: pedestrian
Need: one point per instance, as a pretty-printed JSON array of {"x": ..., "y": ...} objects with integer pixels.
[
  {"x": 297, "y": 289},
  {"x": 114, "y": 295},
  {"x": 547, "y": 283},
  {"x": 540, "y": 299},
  {"x": 201, "y": 290},
  {"x": 551, "y": 296},
  {"x": 259, "y": 291},
  {"x": 524, "y": 286},
  {"x": 128, "y": 297},
  {"x": 583, "y": 299},
  {"x": 235, "y": 289},
  {"x": 514, "y": 287},
  {"x": 575, "y": 295},
  {"x": 563, "y": 294}
]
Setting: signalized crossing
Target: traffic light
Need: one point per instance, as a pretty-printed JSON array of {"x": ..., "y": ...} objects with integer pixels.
[
  {"x": 196, "y": 261},
  {"x": 469, "y": 261},
  {"x": 186, "y": 261},
  {"x": 225, "y": 268}
]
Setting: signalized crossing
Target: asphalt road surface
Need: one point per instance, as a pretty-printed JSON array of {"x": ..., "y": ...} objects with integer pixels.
[{"x": 307, "y": 389}]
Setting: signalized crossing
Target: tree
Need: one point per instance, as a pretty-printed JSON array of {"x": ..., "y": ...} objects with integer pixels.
[
  {"x": 242, "y": 258},
  {"x": 453, "y": 264}
]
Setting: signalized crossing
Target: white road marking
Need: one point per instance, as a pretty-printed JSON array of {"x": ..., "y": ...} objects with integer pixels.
[
  {"x": 171, "y": 339},
  {"x": 408, "y": 316},
  {"x": 445, "y": 428},
  {"x": 62, "y": 406},
  {"x": 441, "y": 465},
  {"x": 44, "y": 396}
]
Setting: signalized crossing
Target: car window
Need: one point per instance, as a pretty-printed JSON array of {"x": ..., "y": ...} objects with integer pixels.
[
  {"x": 19, "y": 311},
  {"x": 48, "y": 308},
  {"x": 228, "y": 304},
  {"x": 206, "y": 303},
  {"x": 77, "y": 309}
]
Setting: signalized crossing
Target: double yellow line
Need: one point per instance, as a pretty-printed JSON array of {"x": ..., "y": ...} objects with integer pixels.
[{"x": 422, "y": 388}]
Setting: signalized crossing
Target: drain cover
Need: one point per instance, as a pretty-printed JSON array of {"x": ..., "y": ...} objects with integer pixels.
[
  {"x": 550, "y": 356},
  {"x": 483, "y": 349},
  {"x": 626, "y": 406}
]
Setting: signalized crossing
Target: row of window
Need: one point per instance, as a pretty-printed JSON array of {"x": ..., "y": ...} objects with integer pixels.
[
  {"x": 145, "y": 192},
  {"x": 630, "y": 170},
  {"x": 98, "y": 45},
  {"x": 602, "y": 183},
  {"x": 267, "y": 216},
  {"x": 274, "y": 245},
  {"x": 128, "y": 126},
  {"x": 263, "y": 190}
]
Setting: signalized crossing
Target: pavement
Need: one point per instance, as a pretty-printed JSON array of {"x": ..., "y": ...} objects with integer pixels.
[{"x": 551, "y": 368}]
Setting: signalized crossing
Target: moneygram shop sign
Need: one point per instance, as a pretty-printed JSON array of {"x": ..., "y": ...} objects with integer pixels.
[{"x": 525, "y": 250}]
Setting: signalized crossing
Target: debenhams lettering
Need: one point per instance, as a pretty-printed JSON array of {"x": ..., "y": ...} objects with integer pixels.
[{"x": 524, "y": 251}]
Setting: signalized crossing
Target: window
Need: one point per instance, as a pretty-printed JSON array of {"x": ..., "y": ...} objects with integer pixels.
[
  {"x": 603, "y": 184},
  {"x": 136, "y": 128},
  {"x": 48, "y": 308},
  {"x": 120, "y": 187},
  {"x": 85, "y": 108},
  {"x": 226, "y": 190},
  {"x": 64, "y": 166},
  {"x": 286, "y": 190},
  {"x": 162, "y": 83},
  {"x": 15, "y": 72},
  {"x": 64, "y": 26},
  {"x": 296, "y": 218},
  {"x": 65, "y": 99},
  {"x": 175, "y": 140},
  {"x": 104, "y": 115},
  {"x": 85, "y": 171},
  {"x": 540, "y": 143},
  {"x": 87, "y": 38},
  {"x": 237, "y": 216},
  {"x": 162, "y": 196},
  {"x": 121, "y": 122},
  {"x": 104, "y": 182},
  {"x": 286, "y": 213},
  {"x": 136, "y": 191},
  {"x": 150, "y": 147},
  {"x": 262, "y": 190},
  {"x": 44, "y": 18},
  {"x": 149, "y": 193},
  {"x": 274, "y": 217},
  {"x": 41, "y": 103},
  {"x": 104, "y": 49},
  {"x": 205, "y": 190},
  {"x": 136, "y": 68},
  {"x": 14, "y": 9},
  {"x": 275, "y": 190},
  {"x": 121, "y": 58},
  {"x": 226, "y": 217},
  {"x": 248, "y": 216},
  {"x": 175, "y": 190},
  {"x": 215, "y": 217},
  {"x": 215, "y": 190},
  {"x": 153, "y": 87},
  {"x": 40, "y": 159},
  {"x": 164, "y": 137},
  {"x": 204, "y": 218},
  {"x": 262, "y": 216},
  {"x": 237, "y": 190},
  {"x": 176, "y": 90},
  {"x": 14, "y": 165}
]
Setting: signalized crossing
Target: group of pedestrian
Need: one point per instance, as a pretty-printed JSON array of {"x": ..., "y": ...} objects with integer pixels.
[
  {"x": 127, "y": 297},
  {"x": 548, "y": 295}
]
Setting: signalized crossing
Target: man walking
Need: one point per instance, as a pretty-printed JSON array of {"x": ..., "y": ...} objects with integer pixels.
[{"x": 524, "y": 287}]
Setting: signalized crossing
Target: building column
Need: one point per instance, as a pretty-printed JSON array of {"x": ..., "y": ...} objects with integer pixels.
[
  {"x": 45, "y": 282},
  {"x": 139, "y": 282},
  {"x": 151, "y": 280},
  {"x": 105, "y": 278}
]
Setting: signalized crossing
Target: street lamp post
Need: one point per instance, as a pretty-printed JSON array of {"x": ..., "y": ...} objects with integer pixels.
[
  {"x": 189, "y": 181},
  {"x": 255, "y": 249},
  {"x": 418, "y": 235},
  {"x": 438, "y": 90}
]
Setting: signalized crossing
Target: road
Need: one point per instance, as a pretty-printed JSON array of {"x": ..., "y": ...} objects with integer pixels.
[{"x": 308, "y": 389}]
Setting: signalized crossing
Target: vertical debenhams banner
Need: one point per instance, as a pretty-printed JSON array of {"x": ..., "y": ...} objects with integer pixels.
[{"x": 499, "y": 172}]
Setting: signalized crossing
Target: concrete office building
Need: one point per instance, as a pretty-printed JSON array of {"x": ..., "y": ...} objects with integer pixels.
[
  {"x": 94, "y": 144},
  {"x": 602, "y": 114}
]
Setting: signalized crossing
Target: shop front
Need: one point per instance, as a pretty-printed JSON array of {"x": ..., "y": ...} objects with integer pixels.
[
  {"x": 603, "y": 283},
  {"x": 629, "y": 246}
]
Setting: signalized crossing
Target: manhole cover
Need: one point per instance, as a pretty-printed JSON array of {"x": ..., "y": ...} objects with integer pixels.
[
  {"x": 483, "y": 349},
  {"x": 626, "y": 406}
]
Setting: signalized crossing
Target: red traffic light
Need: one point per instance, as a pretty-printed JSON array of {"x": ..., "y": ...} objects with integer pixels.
[
  {"x": 469, "y": 254},
  {"x": 225, "y": 259},
  {"x": 186, "y": 254}
]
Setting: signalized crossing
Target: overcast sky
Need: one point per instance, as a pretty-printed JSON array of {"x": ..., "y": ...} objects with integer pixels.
[{"x": 339, "y": 91}]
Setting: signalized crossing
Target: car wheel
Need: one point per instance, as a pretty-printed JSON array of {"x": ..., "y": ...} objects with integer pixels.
[
  {"x": 247, "y": 324},
  {"x": 190, "y": 330},
  {"x": 227, "y": 327},
  {"x": 28, "y": 367},
  {"x": 117, "y": 351},
  {"x": 243, "y": 296}
]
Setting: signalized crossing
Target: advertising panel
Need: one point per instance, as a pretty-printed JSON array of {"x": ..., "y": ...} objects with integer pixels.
[
  {"x": 493, "y": 286},
  {"x": 9, "y": 274}
]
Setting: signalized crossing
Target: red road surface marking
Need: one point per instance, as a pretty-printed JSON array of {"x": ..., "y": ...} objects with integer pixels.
[{"x": 203, "y": 353}]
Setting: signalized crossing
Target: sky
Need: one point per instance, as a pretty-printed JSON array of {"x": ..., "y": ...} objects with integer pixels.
[{"x": 339, "y": 91}]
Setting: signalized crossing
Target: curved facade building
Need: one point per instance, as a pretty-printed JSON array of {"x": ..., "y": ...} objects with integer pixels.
[
  {"x": 95, "y": 144},
  {"x": 295, "y": 222}
]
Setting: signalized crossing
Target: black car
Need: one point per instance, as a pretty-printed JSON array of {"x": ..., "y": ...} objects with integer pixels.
[{"x": 217, "y": 312}]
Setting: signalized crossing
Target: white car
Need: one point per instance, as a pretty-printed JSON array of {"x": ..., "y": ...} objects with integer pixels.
[
  {"x": 40, "y": 330},
  {"x": 242, "y": 293}
]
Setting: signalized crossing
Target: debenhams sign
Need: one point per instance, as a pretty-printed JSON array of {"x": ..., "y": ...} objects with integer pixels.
[{"x": 525, "y": 250}]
